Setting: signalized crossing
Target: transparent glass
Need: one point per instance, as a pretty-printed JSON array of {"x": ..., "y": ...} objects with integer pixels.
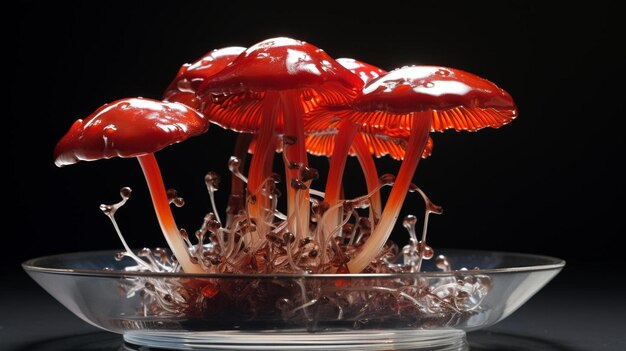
[{"x": 429, "y": 310}]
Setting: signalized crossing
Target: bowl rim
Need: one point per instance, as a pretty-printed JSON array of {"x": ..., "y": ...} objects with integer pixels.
[{"x": 551, "y": 263}]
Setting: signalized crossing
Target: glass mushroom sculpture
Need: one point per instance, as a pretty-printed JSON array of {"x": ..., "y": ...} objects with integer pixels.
[
  {"x": 137, "y": 127},
  {"x": 289, "y": 95},
  {"x": 264, "y": 272}
]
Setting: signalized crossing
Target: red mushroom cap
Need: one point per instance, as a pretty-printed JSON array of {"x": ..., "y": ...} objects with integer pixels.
[
  {"x": 458, "y": 100},
  {"x": 322, "y": 124},
  {"x": 363, "y": 70},
  {"x": 233, "y": 95},
  {"x": 128, "y": 128},
  {"x": 183, "y": 88}
]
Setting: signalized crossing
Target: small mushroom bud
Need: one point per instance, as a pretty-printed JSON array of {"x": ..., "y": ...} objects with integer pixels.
[
  {"x": 233, "y": 164},
  {"x": 172, "y": 196},
  {"x": 212, "y": 181}
]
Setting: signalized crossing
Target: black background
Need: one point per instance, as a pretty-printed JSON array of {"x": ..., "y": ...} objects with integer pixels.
[{"x": 548, "y": 183}]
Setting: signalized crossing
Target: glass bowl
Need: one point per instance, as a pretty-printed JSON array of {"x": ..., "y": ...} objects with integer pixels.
[{"x": 429, "y": 310}]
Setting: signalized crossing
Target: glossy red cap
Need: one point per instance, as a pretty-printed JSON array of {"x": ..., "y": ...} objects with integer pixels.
[
  {"x": 183, "y": 88},
  {"x": 128, "y": 128},
  {"x": 363, "y": 70},
  {"x": 233, "y": 96},
  {"x": 457, "y": 99}
]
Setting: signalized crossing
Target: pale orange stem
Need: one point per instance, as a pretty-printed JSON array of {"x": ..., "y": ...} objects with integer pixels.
[
  {"x": 163, "y": 211},
  {"x": 236, "y": 198},
  {"x": 259, "y": 164},
  {"x": 415, "y": 147},
  {"x": 343, "y": 141},
  {"x": 293, "y": 115},
  {"x": 369, "y": 171}
]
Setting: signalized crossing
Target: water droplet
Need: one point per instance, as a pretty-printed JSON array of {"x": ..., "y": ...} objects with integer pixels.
[
  {"x": 172, "y": 196},
  {"x": 409, "y": 222},
  {"x": 289, "y": 237},
  {"x": 443, "y": 263},
  {"x": 233, "y": 164},
  {"x": 307, "y": 173},
  {"x": 427, "y": 252},
  {"x": 125, "y": 192},
  {"x": 144, "y": 252},
  {"x": 108, "y": 210},
  {"x": 183, "y": 233},
  {"x": 212, "y": 180},
  {"x": 304, "y": 242},
  {"x": 211, "y": 222},
  {"x": 298, "y": 184}
]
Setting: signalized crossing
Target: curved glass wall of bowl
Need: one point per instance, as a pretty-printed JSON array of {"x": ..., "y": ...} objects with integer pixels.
[{"x": 429, "y": 310}]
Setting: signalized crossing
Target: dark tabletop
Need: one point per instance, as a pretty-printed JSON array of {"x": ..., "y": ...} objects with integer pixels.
[{"x": 579, "y": 310}]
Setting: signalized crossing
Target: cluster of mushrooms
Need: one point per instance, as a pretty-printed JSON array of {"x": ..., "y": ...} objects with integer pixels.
[{"x": 288, "y": 96}]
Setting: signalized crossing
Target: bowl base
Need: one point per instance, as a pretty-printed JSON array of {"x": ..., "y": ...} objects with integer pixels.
[{"x": 362, "y": 340}]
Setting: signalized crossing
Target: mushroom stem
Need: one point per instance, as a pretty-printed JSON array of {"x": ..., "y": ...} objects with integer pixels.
[
  {"x": 236, "y": 198},
  {"x": 260, "y": 165},
  {"x": 296, "y": 153},
  {"x": 371, "y": 175},
  {"x": 161, "y": 203},
  {"x": 417, "y": 142},
  {"x": 343, "y": 141}
]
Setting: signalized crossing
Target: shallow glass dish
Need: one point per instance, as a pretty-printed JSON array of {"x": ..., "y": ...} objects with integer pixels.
[{"x": 430, "y": 310}]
